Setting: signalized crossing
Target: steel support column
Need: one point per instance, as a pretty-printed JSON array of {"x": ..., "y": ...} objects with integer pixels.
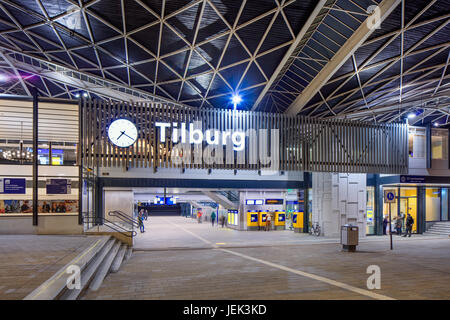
[{"x": 35, "y": 156}]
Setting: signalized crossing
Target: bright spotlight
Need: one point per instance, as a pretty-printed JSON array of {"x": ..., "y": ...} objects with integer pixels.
[
  {"x": 3, "y": 77},
  {"x": 77, "y": 95},
  {"x": 411, "y": 115},
  {"x": 236, "y": 99},
  {"x": 436, "y": 124},
  {"x": 85, "y": 94}
]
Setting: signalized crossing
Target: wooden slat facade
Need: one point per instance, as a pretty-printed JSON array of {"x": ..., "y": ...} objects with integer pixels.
[{"x": 305, "y": 144}]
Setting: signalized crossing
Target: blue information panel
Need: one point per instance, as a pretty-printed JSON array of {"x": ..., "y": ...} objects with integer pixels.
[
  {"x": 12, "y": 185},
  {"x": 58, "y": 186}
]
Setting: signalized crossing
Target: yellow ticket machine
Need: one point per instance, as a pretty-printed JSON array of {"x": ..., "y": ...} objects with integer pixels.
[
  {"x": 252, "y": 220},
  {"x": 280, "y": 220},
  {"x": 297, "y": 221},
  {"x": 262, "y": 216}
]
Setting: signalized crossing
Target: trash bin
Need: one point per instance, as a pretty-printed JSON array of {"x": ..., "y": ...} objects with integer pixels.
[{"x": 349, "y": 237}]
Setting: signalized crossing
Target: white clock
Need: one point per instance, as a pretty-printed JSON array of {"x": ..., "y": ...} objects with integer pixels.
[{"x": 122, "y": 133}]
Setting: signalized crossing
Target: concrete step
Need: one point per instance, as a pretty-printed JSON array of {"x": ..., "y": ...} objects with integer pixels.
[
  {"x": 119, "y": 258},
  {"x": 440, "y": 233},
  {"x": 88, "y": 273},
  {"x": 56, "y": 285},
  {"x": 128, "y": 254},
  {"x": 103, "y": 269},
  {"x": 439, "y": 229}
]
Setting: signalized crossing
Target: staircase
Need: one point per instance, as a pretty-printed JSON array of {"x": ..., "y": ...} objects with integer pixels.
[
  {"x": 106, "y": 255},
  {"x": 442, "y": 228}
]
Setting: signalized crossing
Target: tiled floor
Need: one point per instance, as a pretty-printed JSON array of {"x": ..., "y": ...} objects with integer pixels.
[
  {"x": 26, "y": 261},
  {"x": 177, "y": 258}
]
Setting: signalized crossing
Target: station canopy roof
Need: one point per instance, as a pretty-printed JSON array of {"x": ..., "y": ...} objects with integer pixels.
[{"x": 320, "y": 58}]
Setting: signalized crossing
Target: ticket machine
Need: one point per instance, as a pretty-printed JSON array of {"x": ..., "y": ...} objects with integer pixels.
[
  {"x": 252, "y": 220},
  {"x": 280, "y": 220},
  {"x": 297, "y": 221},
  {"x": 262, "y": 216}
]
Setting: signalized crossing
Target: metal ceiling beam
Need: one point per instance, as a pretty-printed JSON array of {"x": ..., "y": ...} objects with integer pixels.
[
  {"x": 100, "y": 87},
  {"x": 344, "y": 53},
  {"x": 289, "y": 52}
]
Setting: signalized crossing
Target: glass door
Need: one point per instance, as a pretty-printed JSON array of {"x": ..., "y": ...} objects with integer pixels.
[{"x": 408, "y": 204}]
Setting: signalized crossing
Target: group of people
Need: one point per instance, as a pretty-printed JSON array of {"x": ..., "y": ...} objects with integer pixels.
[
  {"x": 222, "y": 218},
  {"x": 142, "y": 216},
  {"x": 399, "y": 221}
]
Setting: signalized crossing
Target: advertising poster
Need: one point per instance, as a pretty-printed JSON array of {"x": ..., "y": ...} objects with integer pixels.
[{"x": 12, "y": 206}]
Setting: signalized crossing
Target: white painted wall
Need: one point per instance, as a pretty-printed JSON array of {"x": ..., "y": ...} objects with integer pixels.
[
  {"x": 122, "y": 200},
  {"x": 338, "y": 199}
]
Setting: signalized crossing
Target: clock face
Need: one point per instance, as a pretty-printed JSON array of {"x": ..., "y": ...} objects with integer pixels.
[{"x": 122, "y": 133}]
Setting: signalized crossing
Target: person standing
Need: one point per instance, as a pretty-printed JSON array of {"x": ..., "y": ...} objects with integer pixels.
[
  {"x": 409, "y": 225},
  {"x": 385, "y": 223},
  {"x": 199, "y": 216},
  {"x": 141, "y": 221},
  {"x": 268, "y": 221},
  {"x": 399, "y": 223},
  {"x": 222, "y": 220},
  {"x": 145, "y": 214},
  {"x": 213, "y": 218}
]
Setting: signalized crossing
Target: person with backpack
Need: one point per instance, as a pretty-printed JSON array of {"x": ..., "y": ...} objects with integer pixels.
[
  {"x": 141, "y": 221},
  {"x": 409, "y": 225},
  {"x": 213, "y": 218}
]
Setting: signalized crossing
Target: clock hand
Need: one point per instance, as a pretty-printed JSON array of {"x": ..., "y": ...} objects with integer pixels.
[
  {"x": 122, "y": 133},
  {"x": 128, "y": 136}
]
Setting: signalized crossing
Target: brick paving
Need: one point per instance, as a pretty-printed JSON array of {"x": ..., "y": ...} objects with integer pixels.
[
  {"x": 191, "y": 268},
  {"x": 26, "y": 261}
]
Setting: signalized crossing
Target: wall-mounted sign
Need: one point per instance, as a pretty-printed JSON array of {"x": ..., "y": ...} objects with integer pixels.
[
  {"x": 12, "y": 185},
  {"x": 412, "y": 179},
  {"x": 389, "y": 196},
  {"x": 168, "y": 200},
  {"x": 274, "y": 201},
  {"x": 58, "y": 186},
  {"x": 254, "y": 202}
]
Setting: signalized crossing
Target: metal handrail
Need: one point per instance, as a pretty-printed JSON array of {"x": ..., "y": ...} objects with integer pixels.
[
  {"x": 124, "y": 217},
  {"x": 111, "y": 224}
]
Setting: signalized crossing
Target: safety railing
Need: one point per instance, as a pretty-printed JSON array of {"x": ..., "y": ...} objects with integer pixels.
[
  {"x": 124, "y": 217},
  {"x": 100, "y": 221}
]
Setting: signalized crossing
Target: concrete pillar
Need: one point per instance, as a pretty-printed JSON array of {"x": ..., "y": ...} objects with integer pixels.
[{"x": 338, "y": 199}]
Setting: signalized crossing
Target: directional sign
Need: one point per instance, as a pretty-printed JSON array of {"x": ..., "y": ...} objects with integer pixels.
[{"x": 389, "y": 196}]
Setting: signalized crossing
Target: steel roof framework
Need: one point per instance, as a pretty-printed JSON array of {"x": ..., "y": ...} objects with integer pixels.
[{"x": 370, "y": 86}]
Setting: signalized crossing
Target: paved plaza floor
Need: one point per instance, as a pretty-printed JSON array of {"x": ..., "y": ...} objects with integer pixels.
[
  {"x": 26, "y": 261},
  {"x": 177, "y": 258}
]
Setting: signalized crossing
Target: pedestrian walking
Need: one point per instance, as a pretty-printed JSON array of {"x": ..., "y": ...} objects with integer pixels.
[
  {"x": 213, "y": 218},
  {"x": 409, "y": 225},
  {"x": 199, "y": 216},
  {"x": 268, "y": 221},
  {"x": 385, "y": 223},
  {"x": 222, "y": 220}
]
